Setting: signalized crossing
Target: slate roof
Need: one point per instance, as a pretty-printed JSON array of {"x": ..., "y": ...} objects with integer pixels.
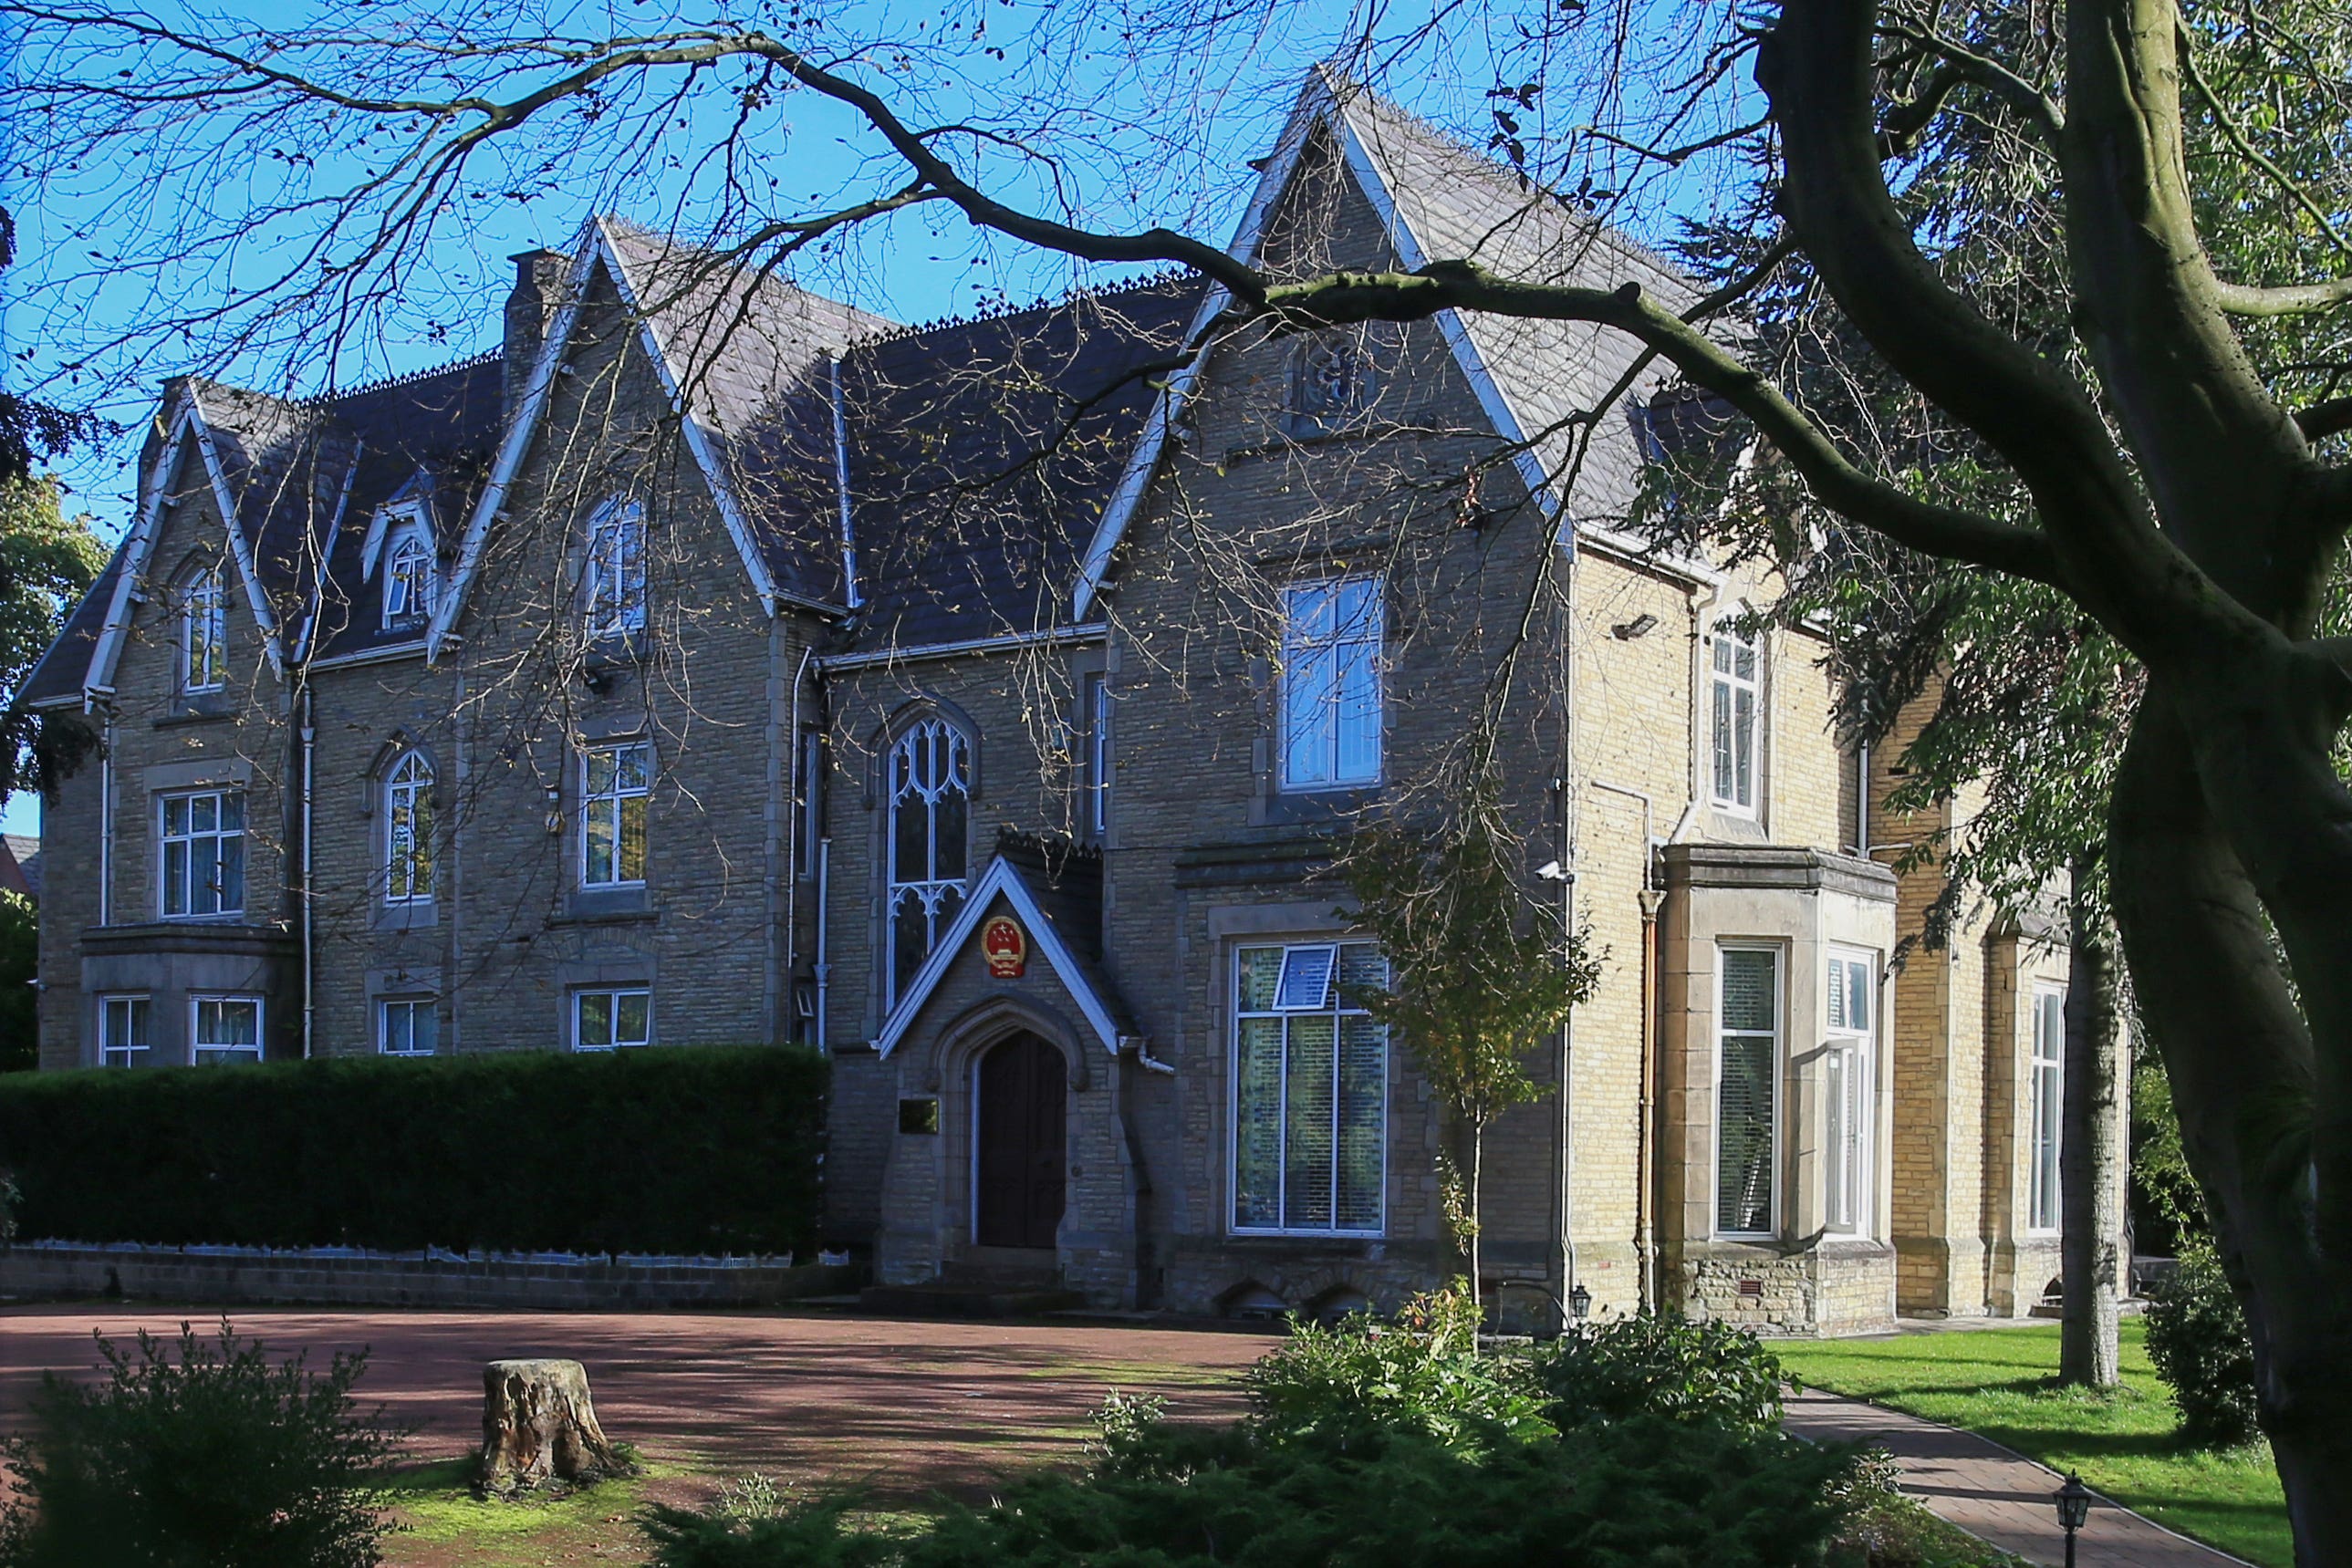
[
  {"x": 20, "y": 867},
  {"x": 1459, "y": 204}
]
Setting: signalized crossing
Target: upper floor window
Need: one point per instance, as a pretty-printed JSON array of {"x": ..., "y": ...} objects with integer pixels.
[
  {"x": 1848, "y": 1061},
  {"x": 2046, "y": 1100},
  {"x": 1310, "y": 1089},
  {"x": 408, "y": 831},
  {"x": 615, "y": 782},
  {"x": 408, "y": 582},
  {"x": 203, "y": 633},
  {"x": 1747, "y": 1092},
  {"x": 1736, "y": 709},
  {"x": 202, "y": 870},
  {"x": 1094, "y": 762},
  {"x": 1330, "y": 689},
  {"x": 613, "y": 586},
  {"x": 930, "y": 801}
]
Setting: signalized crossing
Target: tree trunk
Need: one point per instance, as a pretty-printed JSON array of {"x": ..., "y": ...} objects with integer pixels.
[
  {"x": 2091, "y": 1152},
  {"x": 538, "y": 1426}
]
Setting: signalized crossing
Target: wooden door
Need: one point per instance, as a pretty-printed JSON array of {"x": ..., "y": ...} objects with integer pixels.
[{"x": 1022, "y": 1138}]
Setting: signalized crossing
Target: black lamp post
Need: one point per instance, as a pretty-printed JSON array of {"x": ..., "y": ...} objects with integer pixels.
[
  {"x": 2073, "y": 1500},
  {"x": 1580, "y": 1303}
]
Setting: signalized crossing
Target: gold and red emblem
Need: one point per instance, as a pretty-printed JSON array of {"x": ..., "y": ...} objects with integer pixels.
[{"x": 1005, "y": 946}]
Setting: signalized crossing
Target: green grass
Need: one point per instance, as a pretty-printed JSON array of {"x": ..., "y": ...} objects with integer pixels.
[
  {"x": 2001, "y": 1382},
  {"x": 435, "y": 1507}
]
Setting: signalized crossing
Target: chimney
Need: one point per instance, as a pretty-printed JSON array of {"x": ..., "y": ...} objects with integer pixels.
[{"x": 537, "y": 289}]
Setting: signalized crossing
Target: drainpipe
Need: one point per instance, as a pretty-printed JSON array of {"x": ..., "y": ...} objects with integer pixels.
[
  {"x": 309, "y": 758},
  {"x": 106, "y": 823},
  {"x": 1862, "y": 799},
  {"x": 780, "y": 1022},
  {"x": 824, "y": 969},
  {"x": 1644, "y": 1227}
]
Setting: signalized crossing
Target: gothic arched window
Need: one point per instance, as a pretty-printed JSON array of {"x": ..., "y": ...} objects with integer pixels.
[
  {"x": 203, "y": 633},
  {"x": 408, "y": 583},
  {"x": 408, "y": 831},
  {"x": 931, "y": 795}
]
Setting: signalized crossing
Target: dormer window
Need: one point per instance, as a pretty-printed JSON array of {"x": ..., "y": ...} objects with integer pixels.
[
  {"x": 408, "y": 581},
  {"x": 203, "y": 633},
  {"x": 614, "y": 585}
]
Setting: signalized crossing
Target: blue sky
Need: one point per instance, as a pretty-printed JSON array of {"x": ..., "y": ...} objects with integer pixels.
[{"x": 1158, "y": 132}]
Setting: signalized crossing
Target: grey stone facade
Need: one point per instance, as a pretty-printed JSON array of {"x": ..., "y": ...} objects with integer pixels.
[{"x": 837, "y": 535}]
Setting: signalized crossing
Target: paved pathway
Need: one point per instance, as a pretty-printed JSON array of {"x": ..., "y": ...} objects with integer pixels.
[{"x": 1991, "y": 1492}]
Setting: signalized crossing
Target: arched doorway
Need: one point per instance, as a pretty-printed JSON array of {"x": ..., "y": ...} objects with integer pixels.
[{"x": 1021, "y": 1138}]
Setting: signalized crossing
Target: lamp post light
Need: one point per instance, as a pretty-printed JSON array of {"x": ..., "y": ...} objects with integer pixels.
[
  {"x": 1580, "y": 1303},
  {"x": 2073, "y": 1500}
]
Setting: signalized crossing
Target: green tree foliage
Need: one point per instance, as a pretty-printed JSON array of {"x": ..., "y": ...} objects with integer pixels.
[
  {"x": 20, "y": 954},
  {"x": 2197, "y": 1338},
  {"x": 47, "y": 562},
  {"x": 198, "y": 1455},
  {"x": 1477, "y": 976}
]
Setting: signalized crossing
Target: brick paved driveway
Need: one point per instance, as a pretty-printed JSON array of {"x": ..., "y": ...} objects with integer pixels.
[{"x": 906, "y": 1406}]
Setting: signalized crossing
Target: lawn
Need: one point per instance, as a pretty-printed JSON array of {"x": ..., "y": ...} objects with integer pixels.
[{"x": 2000, "y": 1383}]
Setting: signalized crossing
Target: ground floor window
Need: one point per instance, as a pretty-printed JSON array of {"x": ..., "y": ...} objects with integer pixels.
[
  {"x": 407, "y": 1026},
  {"x": 1747, "y": 1095},
  {"x": 225, "y": 1029},
  {"x": 2048, "y": 1099},
  {"x": 1847, "y": 1061},
  {"x": 121, "y": 1030},
  {"x": 606, "y": 1019},
  {"x": 1310, "y": 1090}
]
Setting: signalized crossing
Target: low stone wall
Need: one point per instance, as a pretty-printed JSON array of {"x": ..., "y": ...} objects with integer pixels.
[{"x": 352, "y": 1277}]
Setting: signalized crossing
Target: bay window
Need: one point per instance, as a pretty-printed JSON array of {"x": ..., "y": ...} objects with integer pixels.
[
  {"x": 1310, "y": 1090},
  {"x": 1747, "y": 1095}
]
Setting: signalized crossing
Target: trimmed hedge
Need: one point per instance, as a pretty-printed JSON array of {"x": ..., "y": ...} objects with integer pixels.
[{"x": 667, "y": 1150}]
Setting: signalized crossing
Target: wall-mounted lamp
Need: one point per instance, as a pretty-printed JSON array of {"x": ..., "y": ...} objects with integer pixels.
[{"x": 1640, "y": 626}]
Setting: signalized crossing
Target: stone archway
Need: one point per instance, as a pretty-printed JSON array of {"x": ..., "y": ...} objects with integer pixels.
[{"x": 1020, "y": 1143}]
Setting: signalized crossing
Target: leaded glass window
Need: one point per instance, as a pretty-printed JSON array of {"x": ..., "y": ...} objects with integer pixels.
[
  {"x": 1310, "y": 1090},
  {"x": 931, "y": 800}
]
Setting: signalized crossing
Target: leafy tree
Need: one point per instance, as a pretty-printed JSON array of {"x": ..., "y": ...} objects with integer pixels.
[
  {"x": 47, "y": 562},
  {"x": 1476, "y": 976}
]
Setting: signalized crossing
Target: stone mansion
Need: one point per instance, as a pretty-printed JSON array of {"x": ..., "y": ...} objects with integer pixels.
[{"x": 979, "y": 702}]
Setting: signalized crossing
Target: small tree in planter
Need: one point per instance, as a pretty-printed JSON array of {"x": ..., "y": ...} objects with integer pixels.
[{"x": 1478, "y": 971}]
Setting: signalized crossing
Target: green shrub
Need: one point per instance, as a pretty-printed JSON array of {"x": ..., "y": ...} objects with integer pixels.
[
  {"x": 756, "y": 1526},
  {"x": 1421, "y": 1374},
  {"x": 20, "y": 954},
  {"x": 2197, "y": 1338},
  {"x": 210, "y": 1459},
  {"x": 672, "y": 1150},
  {"x": 1663, "y": 1365}
]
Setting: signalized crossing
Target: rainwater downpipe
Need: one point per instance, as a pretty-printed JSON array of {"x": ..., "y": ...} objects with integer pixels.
[
  {"x": 1862, "y": 799},
  {"x": 1644, "y": 1223},
  {"x": 310, "y": 760},
  {"x": 824, "y": 969},
  {"x": 106, "y": 823},
  {"x": 795, "y": 758}
]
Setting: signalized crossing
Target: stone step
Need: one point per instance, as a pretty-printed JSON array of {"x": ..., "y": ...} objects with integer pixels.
[{"x": 966, "y": 1299}]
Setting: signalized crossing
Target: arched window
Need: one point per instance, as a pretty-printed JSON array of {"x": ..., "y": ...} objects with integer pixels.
[
  {"x": 408, "y": 583},
  {"x": 203, "y": 633},
  {"x": 408, "y": 831},
  {"x": 613, "y": 586},
  {"x": 930, "y": 794}
]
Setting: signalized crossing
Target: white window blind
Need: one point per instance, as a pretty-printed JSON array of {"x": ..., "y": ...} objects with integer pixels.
[
  {"x": 122, "y": 1037},
  {"x": 225, "y": 1029},
  {"x": 1747, "y": 1090},
  {"x": 1310, "y": 1090},
  {"x": 1848, "y": 1059}
]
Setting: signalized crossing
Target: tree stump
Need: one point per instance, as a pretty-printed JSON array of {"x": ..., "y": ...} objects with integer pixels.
[{"x": 538, "y": 1426}]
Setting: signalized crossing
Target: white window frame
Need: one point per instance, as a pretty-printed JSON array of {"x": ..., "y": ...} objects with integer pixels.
[
  {"x": 616, "y": 801},
  {"x": 408, "y": 859},
  {"x": 1302, "y": 956},
  {"x": 1778, "y": 1034},
  {"x": 1726, "y": 687},
  {"x": 138, "y": 1014},
  {"x": 941, "y": 898},
  {"x": 612, "y": 996},
  {"x": 1308, "y": 696},
  {"x": 1849, "y": 1081},
  {"x": 415, "y": 1007},
  {"x": 409, "y": 577},
  {"x": 613, "y": 578},
  {"x": 182, "y": 882},
  {"x": 204, "y": 632},
  {"x": 2045, "y": 1111},
  {"x": 199, "y": 1001}
]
